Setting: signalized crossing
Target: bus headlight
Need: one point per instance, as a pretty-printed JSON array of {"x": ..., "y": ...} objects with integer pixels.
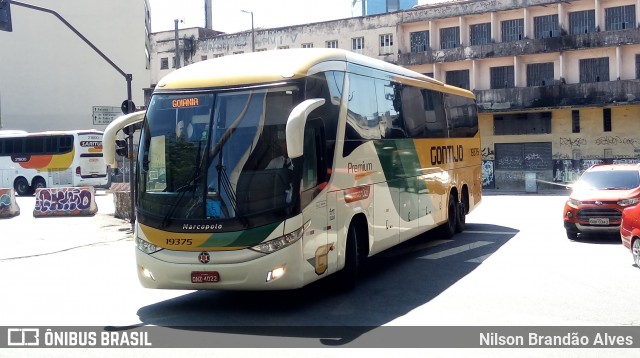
[
  {"x": 146, "y": 246},
  {"x": 280, "y": 242}
]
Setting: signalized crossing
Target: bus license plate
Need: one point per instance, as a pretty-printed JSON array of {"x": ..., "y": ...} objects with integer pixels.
[
  {"x": 599, "y": 221},
  {"x": 205, "y": 277}
]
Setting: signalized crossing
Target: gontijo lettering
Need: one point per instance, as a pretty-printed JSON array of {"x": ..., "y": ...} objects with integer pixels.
[
  {"x": 446, "y": 154},
  {"x": 185, "y": 102}
]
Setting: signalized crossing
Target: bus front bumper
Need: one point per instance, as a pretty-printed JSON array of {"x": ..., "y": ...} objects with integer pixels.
[{"x": 257, "y": 274}]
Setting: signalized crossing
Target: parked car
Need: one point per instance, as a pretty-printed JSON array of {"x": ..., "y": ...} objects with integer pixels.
[
  {"x": 598, "y": 198},
  {"x": 630, "y": 231}
]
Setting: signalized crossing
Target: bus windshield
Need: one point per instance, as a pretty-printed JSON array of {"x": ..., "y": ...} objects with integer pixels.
[{"x": 218, "y": 156}]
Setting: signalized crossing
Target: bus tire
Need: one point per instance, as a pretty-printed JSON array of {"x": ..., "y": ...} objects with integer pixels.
[
  {"x": 448, "y": 229},
  {"x": 461, "y": 218},
  {"x": 21, "y": 186},
  {"x": 348, "y": 276},
  {"x": 38, "y": 183}
]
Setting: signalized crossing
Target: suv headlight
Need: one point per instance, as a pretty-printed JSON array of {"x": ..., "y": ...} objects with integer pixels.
[
  {"x": 146, "y": 246},
  {"x": 628, "y": 202},
  {"x": 574, "y": 203},
  {"x": 281, "y": 242}
]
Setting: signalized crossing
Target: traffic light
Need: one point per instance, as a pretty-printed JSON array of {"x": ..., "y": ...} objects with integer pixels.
[
  {"x": 5, "y": 16},
  {"x": 121, "y": 148}
]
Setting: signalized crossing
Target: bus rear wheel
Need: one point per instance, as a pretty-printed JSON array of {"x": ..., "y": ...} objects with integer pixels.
[
  {"x": 38, "y": 183},
  {"x": 21, "y": 186}
]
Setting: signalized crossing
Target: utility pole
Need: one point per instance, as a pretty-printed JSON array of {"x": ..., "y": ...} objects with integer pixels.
[
  {"x": 128, "y": 77},
  {"x": 253, "y": 32},
  {"x": 177, "y": 44}
]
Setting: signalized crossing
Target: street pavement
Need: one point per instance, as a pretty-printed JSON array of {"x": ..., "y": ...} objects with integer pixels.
[{"x": 60, "y": 233}]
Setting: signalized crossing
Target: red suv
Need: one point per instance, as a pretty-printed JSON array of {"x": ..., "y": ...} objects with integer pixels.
[
  {"x": 630, "y": 232},
  {"x": 598, "y": 198}
]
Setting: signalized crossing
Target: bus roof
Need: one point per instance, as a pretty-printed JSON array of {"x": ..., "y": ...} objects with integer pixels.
[{"x": 271, "y": 66}]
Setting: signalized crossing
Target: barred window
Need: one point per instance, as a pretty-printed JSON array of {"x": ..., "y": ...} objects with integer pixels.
[
  {"x": 546, "y": 26},
  {"x": 450, "y": 37},
  {"x": 540, "y": 74},
  {"x": 512, "y": 30},
  {"x": 458, "y": 78},
  {"x": 419, "y": 41},
  {"x": 332, "y": 44},
  {"x": 480, "y": 34},
  {"x": 307, "y": 45},
  {"x": 582, "y": 22},
  {"x": 164, "y": 63},
  {"x": 502, "y": 77},
  {"x": 620, "y": 17},
  {"x": 594, "y": 70}
]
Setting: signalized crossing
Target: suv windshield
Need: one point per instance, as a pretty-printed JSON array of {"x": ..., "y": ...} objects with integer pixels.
[
  {"x": 609, "y": 180},
  {"x": 216, "y": 155}
]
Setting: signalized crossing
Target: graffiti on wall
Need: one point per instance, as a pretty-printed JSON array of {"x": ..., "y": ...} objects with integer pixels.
[
  {"x": 8, "y": 205},
  {"x": 617, "y": 140},
  {"x": 488, "y": 181},
  {"x": 65, "y": 202}
]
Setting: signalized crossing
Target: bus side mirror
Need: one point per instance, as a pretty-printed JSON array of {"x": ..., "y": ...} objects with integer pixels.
[{"x": 295, "y": 126}]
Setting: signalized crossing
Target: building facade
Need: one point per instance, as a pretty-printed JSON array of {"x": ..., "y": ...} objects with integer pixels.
[
  {"x": 557, "y": 83},
  {"x": 50, "y": 79}
]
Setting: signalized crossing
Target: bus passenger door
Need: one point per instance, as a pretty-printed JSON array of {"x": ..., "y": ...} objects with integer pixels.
[{"x": 313, "y": 199}]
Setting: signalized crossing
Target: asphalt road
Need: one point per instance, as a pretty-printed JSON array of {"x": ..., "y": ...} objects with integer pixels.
[{"x": 513, "y": 266}]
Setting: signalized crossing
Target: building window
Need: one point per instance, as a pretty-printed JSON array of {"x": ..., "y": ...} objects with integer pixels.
[
  {"x": 522, "y": 123},
  {"x": 480, "y": 34},
  {"x": 386, "y": 44},
  {"x": 502, "y": 77},
  {"x": 459, "y": 78},
  {"x": 216, "y": 55},
  {"x": 582, "y": 22},
  {"x": 575, "y": 121},
  {"x": 450, "y": 37},
  {"x": 638, "y": 67},
  {"x": 307, "y": 45},
  {"x": 173, "y": 65},
  {"x": 261, "y": 49},
  {"x": 620, "y": 17},
  {"x": 332, "y": 44},
  {"x": 594, "y": 70},
  {"x": 203, "y": 58},
  {"x": 238, "y": 52},
  {"x": 419, "y": 41},
  {"x": 283, "y": 47},
  {"x": 540, "y": 74},
  {"x": 164, "y": 63},
  {"x": 512, "y": 30},
  {"x": 546, "y": 26},
  {"x": 357, "y": 44},
  {"x": 606, "y": 119}
]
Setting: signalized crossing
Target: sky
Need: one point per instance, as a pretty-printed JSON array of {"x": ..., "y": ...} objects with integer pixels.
[{"x": 228, "y": 16}]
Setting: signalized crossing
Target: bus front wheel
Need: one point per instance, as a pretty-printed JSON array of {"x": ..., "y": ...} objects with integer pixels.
[
  {"x": 347, "y": 277},
  {"x": 21, "y": 186}
]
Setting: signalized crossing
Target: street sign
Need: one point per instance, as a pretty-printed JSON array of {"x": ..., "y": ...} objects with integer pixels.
[{"x": 103, "y": 115}]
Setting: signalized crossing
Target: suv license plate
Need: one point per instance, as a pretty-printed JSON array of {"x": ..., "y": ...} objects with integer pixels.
[
  {"x": 205, "y": 277},
  {"x": 599, "y": 221}
]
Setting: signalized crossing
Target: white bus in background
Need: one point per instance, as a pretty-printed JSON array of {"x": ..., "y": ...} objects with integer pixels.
[{"x": 51, "y": 159}]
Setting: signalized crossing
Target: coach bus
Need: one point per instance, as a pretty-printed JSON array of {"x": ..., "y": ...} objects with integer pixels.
[
  {"x": 51, "y": 159},
  {"x": 367, "y": 155}
]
